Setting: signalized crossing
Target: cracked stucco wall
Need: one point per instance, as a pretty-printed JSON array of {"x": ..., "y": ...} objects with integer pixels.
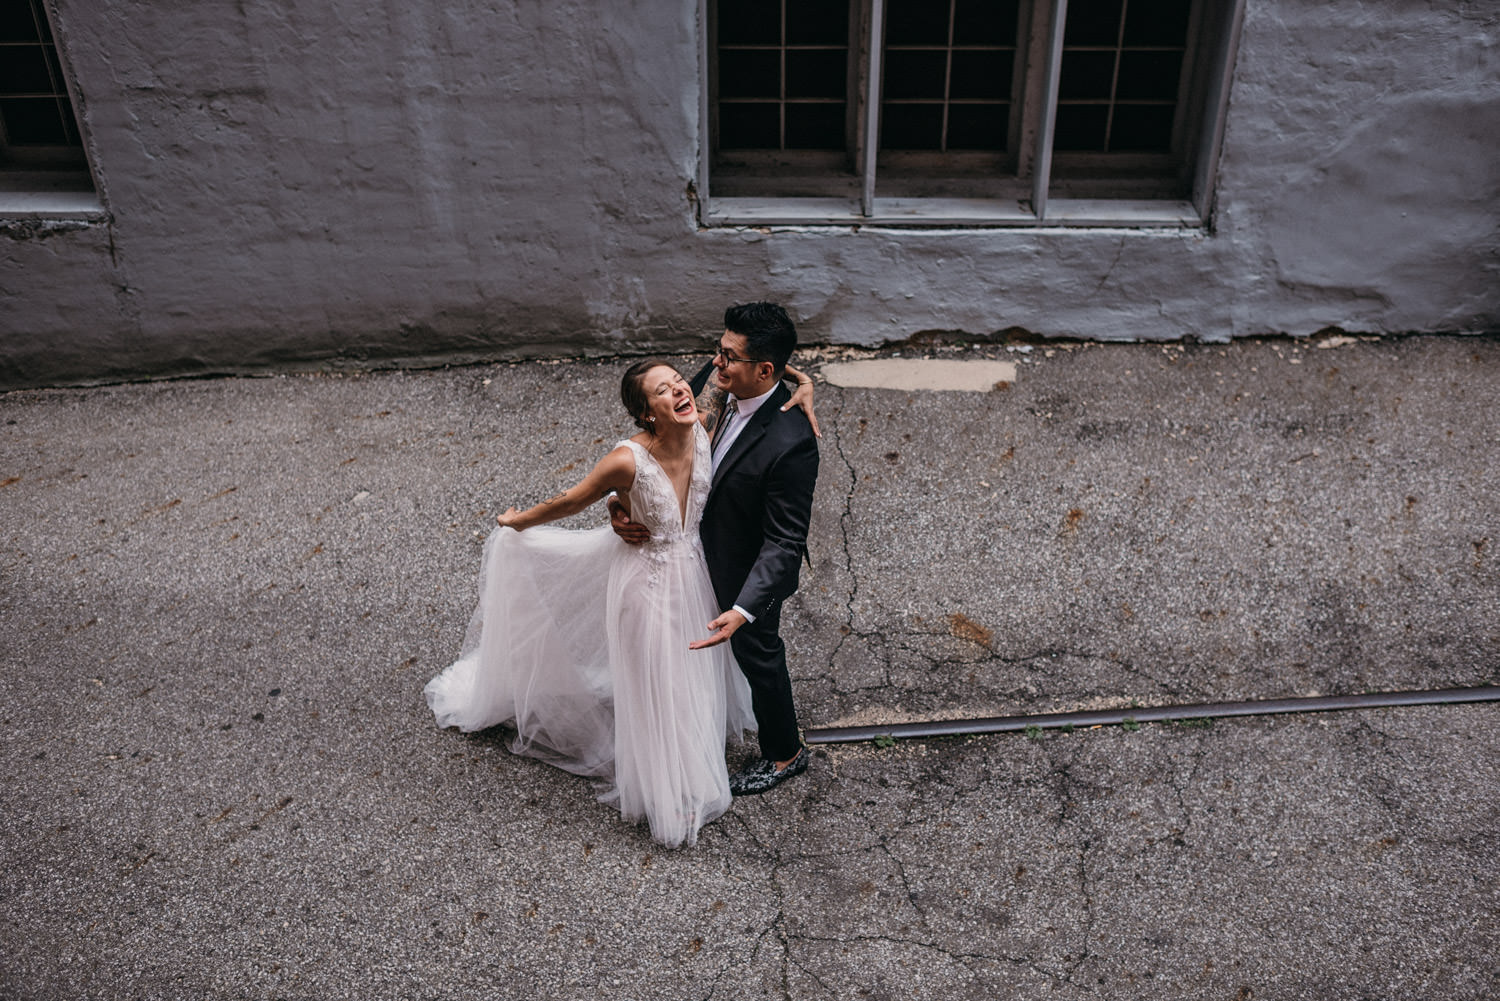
[{"x": 344, "y": 183}]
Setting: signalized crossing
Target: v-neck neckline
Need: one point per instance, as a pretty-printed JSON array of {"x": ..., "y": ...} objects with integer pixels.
[{"x": 683, "y": 500}]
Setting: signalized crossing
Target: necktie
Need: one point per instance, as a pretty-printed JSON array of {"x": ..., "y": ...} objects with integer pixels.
[{"x": 731, "y": 407}]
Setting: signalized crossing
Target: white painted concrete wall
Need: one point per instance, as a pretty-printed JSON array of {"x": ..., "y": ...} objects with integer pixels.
[{"x": 327, "y": 181}]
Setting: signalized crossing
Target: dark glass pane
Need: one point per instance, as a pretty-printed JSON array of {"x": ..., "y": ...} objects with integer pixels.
[
  {"x": 981, "y": 74},
  {"x": 912, "y": 126},
  {"x": 916, "y": 22},
  {"x": 749, "y": 126},
  {"x": 33, "y": 121},
  {"x": 23, "y": 70},
  {"x": 749, "y": 73},
  {"x": 817, "y": 22},
  {"x": 1080, "y": 127},
  {"x": 915, "y": 74},
  {"x": 984, "y": 22},
  {"x": 815, "y": 126},
  {"x": 749, "y": 22},
  {"x": 16, "y": 22},
  {"x": 815, "y": 73},
  {"x": 1092, "y": 22},
  {"x": 1086, "y": 76},
  {"x": 977, "y": 126},
  {"x": 1157, "y": 22},
  {"x": 1142, "y": 128},
  {"x": 1148, "y": 76}
]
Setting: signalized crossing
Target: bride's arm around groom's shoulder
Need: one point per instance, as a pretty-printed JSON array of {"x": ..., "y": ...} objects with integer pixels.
[{"x": 614, "y": 472}]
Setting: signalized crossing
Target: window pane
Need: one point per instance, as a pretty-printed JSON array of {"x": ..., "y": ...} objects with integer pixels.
[
  {"x": 1086, "y": 76},
  {"x": 1080, "y": 127},
  {"x": 1148, "y": 76},
  {"x": 16, "y": 23},
  {"x": 916, "y": 22},
  {"x": 815, "y": 126},
  {"x": 984, "y": 22},
  {"x": 817, "y": 22},
  {"x": 981, "y": 74},
  {"x": 750, "y": 22},
  {"x": 23, "y": 70},
  {"x": 750, "y": 126},
  {"x": 1157, "y": 22},
  {"x": 915, "y": 74},
  {"x": 1142, "y": 128},
  {"x": 977, "y": 126},
  {"x": 815, "y": 73},
  {"x": 912, "y": 126},
  {"x": 778, "y": 92},
  {"x": 1143, "y": 72},
  {"x": 33, "y": 121},
  {"x": 749, "y": 73},
  {"x": 1092, "y": 22}
]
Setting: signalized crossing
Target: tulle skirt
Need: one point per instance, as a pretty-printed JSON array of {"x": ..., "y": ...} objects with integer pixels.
[{"x": 581, "y": 642}]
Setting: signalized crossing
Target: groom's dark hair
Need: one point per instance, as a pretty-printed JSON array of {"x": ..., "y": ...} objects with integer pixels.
[{"x": 767, "y": 329}]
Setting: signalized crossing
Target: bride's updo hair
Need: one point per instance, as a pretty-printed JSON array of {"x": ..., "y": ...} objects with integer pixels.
[{"x": 633, "y": 391}]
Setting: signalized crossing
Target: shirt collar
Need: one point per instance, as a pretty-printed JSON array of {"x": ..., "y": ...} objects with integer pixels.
[{"x": 744, "y": 408}]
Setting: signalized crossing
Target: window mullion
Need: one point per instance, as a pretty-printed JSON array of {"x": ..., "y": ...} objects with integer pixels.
[
  {"x": 1053, "y": 69},
  {"x": 1114, "y": 77},
  {"x": 872, "y": 109},
  {"x": 781, "y": 91},
  {"x": 947, "y": 78},
  {"x": 707, "y": 104}
]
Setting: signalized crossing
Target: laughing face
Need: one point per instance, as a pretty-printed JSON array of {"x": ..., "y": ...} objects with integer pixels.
[{"x": 669, "y": 398}]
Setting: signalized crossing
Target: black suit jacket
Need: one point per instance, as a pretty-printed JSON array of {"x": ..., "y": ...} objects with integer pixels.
[{"x": 755, "y": 521}]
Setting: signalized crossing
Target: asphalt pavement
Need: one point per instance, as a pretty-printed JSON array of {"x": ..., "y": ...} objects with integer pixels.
[{"x": 220, "y": 600}]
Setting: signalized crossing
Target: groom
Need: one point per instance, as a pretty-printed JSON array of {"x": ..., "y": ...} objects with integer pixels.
[{"x": 754, "y": 529}]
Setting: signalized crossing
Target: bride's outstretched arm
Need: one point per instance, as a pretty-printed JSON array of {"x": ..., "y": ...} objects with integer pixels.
[{"x": 616, "y": 471}]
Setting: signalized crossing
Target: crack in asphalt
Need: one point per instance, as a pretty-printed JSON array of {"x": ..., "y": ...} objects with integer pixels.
[
  {"x": 777, "y": 924},
  {"x": 848, "y": 550},
  {"x": 911, "y": 896},
  {"x": 1064, "y": 787},
  {"x": 1180, "y": 785}
]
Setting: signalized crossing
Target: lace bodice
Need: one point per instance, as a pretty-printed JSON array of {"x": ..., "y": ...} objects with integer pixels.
[{"x": 653, "y": 502}]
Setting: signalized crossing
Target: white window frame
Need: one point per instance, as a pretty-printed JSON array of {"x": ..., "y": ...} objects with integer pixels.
[{"x": 1035, "y": 158}]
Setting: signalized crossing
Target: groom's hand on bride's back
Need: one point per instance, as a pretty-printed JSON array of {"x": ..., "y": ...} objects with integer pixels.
[{"x": 632, "y": 532}]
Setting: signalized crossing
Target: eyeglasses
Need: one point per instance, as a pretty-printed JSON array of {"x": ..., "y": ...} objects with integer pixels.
[{"x": 730, "y": 358}]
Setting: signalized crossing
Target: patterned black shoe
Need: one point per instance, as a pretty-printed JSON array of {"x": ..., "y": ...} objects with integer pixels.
[
  {"x": 752, "y": 772},
  {"x": 760, "y": 775}
]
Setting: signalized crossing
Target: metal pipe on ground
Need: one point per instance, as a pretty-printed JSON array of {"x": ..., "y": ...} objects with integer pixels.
[{"x": 1149, "y": 714}]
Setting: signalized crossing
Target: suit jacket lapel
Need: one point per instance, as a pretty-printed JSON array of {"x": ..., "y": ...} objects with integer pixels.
[{"x": 754, "y": 431}]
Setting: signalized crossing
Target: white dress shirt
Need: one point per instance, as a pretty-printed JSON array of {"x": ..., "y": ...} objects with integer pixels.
[{"x": 745, "y": 410}]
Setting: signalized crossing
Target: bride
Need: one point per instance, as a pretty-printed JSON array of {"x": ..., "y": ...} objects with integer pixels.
[{"x": 582, "y": 641}]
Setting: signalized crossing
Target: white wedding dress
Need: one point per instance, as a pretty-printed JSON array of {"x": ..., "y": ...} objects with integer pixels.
[{"x": 581, "y": 642}]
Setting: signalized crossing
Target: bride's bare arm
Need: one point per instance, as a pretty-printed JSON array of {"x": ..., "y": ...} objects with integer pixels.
[
  {"x": 616, "y": 471},
  {"x": 802, "y": 396}
]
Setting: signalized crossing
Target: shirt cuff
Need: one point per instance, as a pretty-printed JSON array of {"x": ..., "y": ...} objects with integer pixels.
[{"x": 747, "y": 615}]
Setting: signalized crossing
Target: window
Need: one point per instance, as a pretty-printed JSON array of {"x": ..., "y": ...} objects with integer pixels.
[
  {"x": 1006, "y": 112},
  {"x": 781, "y": 104},
  {"x": 42, "y": 165}
]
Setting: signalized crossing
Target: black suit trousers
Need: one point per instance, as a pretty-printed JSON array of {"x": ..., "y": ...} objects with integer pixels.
[{"x": 761, "y": 654}]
